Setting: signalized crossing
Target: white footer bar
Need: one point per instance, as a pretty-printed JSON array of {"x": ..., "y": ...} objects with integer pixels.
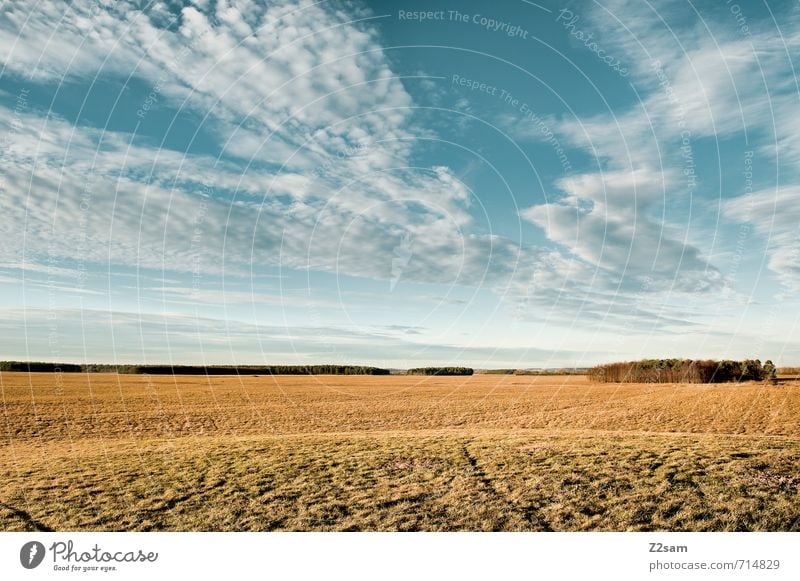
[{"x": 401, "y": 556}]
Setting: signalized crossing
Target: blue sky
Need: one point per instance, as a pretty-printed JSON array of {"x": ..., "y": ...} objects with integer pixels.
[{"x": 507, "y": 184}]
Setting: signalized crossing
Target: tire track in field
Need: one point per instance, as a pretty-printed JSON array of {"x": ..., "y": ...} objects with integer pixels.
[
  {"x": 27, "y": 518},
  {"x": 529, "y": 514},
  {"x": 167, "y": 505}
]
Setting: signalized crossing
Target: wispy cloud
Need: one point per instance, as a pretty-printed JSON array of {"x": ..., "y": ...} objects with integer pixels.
[
  {"x": 311, "y": 149},
  {"x": 80, "y": 335},
  {"x": 775, "y": 215},
  {"x": 316, "y": 132},
  {"x": 633, "y": 216}
]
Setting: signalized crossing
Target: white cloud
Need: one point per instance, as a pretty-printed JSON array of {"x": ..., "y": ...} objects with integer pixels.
[
  {"x": 775, "y": 214},
  {"x": 611, "y": 221},
  {"x": 318, "y": 136},
  {"x": 300, "y": 88},
  {"x": 631, "y": 216}
]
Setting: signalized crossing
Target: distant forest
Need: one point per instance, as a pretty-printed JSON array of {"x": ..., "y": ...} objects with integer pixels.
[
  {"x": 549, "y": 371},
  {"x": 683, "y": 371},
  {"x": 45, "y": 367},
  {"x": 440, "y": 371},
  {"x": 193, "y": 369},
  {"x": 644, "y": 371}
]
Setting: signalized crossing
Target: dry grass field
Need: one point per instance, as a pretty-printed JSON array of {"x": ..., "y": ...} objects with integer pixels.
[{"x": 487, "y": 452}]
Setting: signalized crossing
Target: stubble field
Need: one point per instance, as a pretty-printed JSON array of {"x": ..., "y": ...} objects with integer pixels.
[{"x": 487, "y": 452}]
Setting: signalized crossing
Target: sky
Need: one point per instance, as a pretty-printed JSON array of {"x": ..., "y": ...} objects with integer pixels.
[{"x": 506, "y": 184}]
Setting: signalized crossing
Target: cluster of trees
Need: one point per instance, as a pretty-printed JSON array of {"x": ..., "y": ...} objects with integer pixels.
[
  {"x": 683, "y": 371},
  {"x": 440, "y": 371},
  {"x": 39, "y": 367},
  {"x": 550, "y": 371},
  {"x": 107, "y": 368},
  {"x": 193, "y": 369},
  {"x": 268, "y": 370},
  {"x": 563, "y": 371}
]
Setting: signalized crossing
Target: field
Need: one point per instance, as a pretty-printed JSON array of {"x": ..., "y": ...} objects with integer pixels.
[{"x": 487, "y": 452}]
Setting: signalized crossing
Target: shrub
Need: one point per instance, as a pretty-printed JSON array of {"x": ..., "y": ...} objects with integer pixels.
[{"x": 770, "y": 372}]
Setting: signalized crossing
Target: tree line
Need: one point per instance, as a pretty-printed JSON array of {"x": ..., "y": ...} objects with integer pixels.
[
  {"x": 548, "y": 371},
  {"x": 37, "y": 366},
  {"x": 683, "y": 371},
  {"x": 440, "y": 371}
]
